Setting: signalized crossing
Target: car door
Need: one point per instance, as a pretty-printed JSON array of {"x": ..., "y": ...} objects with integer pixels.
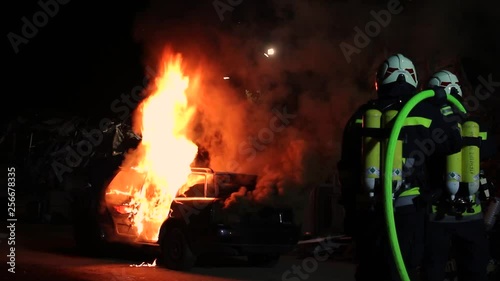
[
  {"x": 192, "y": 207},
  {"x": 190, "y": 199}
]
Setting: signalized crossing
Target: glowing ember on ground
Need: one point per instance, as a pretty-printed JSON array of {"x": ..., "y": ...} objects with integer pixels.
[{"x": 164, "y": 155}]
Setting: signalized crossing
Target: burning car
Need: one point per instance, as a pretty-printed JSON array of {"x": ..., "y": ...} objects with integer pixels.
[
  {"x": 159, "y": 196},
  {"x": 197, "y": 222}
]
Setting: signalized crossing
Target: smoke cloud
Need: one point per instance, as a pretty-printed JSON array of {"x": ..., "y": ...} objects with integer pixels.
[{"x": 308, "y": 78}]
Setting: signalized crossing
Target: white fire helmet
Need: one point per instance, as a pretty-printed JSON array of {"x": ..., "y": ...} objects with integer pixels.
[
  {"x": 446, "y": 80},
  {"x": 395, "y": 68}
]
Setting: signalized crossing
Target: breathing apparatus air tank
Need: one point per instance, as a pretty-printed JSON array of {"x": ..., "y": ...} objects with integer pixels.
[
  {"x": 371, "y": 151},
  {"x": 397, "y": 171},
  {"x": 454, "y": 172},
  {"x": 470, "y": 159}
]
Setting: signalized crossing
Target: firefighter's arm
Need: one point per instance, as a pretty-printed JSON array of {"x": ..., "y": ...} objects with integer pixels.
[
  {"x": 348, "y": 172},
  {"x": 348, "y": 179},
  {"x": 349, "y": 151}
]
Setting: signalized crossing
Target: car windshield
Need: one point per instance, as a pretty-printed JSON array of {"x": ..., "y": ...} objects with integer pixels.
[{"x": 229, "y": 183}]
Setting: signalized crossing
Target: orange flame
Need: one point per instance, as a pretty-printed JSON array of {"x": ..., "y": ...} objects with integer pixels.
[{"x": 164, "y": 154}]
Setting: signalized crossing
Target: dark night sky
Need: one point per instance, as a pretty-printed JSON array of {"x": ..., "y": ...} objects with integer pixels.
[{"x": 86, "y": 55}]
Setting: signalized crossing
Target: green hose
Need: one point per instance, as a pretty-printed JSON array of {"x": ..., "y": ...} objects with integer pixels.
[{"x": 389, "y": 160}]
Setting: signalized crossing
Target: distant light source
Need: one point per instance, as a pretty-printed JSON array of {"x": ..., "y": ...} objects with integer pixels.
[
  {"x": 226, "y": 77},
  {"x": 270, "y": 52}
]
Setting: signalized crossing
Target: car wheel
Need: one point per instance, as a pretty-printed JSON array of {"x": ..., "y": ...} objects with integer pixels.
[
  {"x": 176, "y": 253},
  {"x": 263, "y": 260}
]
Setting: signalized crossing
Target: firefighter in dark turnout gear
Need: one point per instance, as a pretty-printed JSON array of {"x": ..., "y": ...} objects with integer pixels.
[
  {"x": 396, "y": 83},
  {"x": 456, "y": 215}
]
